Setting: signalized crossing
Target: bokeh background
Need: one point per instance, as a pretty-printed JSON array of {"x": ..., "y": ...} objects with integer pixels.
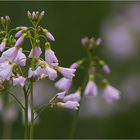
[{"x": 118, "y": 24}]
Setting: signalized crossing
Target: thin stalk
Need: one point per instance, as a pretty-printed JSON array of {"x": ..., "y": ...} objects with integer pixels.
[
  {"x": 26, "y": 114},
  {"x": 76, "y": 115},
  {"x": 32, "y": 112}
]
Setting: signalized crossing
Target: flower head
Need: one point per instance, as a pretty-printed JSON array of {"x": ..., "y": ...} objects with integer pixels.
[
  {"x": 5, "y": 71},
  {"x": 110, "y": 94},
  {"x": 50, "y": 57},
  {"x": 91, "y": 89},
  {"x": 51, "y": 72},
  {"x": 20, "y": 58},
  {"x": 61, "y": 95},
  {"x": 73, "y": 97},
  {"x": 69, "y": 105},
  {"x": 19, "y": 81},
  {"x": 10, "y": 54},
  {"x": 37, "y": 52},
  {"x": 50, "y": 36},
  {"x": 63, "y": 84},
  {"x": 66, "y": 72}
]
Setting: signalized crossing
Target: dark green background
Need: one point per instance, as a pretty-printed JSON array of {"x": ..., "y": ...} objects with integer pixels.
[{"x": 69, "y": 21}]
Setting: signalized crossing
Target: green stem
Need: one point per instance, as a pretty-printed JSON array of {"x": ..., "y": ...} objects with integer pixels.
[
  {"x": 76, "y": 115},
  {"x": 32, "y": 112},
  {"x": 26, "y": 114}
]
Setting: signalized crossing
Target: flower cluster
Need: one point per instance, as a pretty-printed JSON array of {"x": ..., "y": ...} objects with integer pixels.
[{"x": 97, "y": 69}]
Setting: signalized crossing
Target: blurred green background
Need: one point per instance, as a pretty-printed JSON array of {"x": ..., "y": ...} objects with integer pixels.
[{"x": 68, "y": 22}]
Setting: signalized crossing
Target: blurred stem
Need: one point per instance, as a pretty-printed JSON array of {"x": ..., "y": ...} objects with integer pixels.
[
  {"x": 26, "y": 113},
  {"x": 7, "y": 130},
  {"x": 76, "y": 115}
]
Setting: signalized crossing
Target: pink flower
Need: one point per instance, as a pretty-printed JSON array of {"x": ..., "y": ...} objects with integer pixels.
[
  {"x": 20, "y": 58},
  {"x": 50, "y": 36},
  {"x": 66, "y": 72},
  {"x": 73, "y": 97},
  {"x": 20, "y": 40},
  {"x": 19, "y": 33},
  {"x": 19, "y": 81},
  {"x": 50, "y": 57},
  {"x": 5, "y": 71},
  {"x": 69, "y": 105},
  {"x": 37, "y": 52},
  {"x": 10, "y": 54},
  {"x": 91, "y": 89},
  {"x": 64, "y": 84},
  {"x": 110, "y": 94}
]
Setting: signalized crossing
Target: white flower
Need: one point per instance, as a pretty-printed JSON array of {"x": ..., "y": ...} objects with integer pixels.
[
  {"x": 64, "y": 84},
  {"x": 110, "y": 94},
  {"x": 5, "y": 71},
  {"x": 19, "y": 81},
  {"x": 91, "y": 89},
  {"x": 20, "y": 58},
  {"x": 66, "y": 72},
  {"x": 50, "y": 57}
]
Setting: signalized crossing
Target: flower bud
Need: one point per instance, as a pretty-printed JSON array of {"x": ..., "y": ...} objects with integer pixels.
[
  {"x": 2, "y": 20},
  {"x": 29, "y": 15}
]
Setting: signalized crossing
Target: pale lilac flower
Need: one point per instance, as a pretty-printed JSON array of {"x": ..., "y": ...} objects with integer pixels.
[
  {"x": 18, "y": 34},
  {"x": 110, "y": 94},
  {"x": 19, "y": 81},
  {"x": 50, "y": 57},
  {"x": 50, "y": 36},
  {"x": 5, "y": 71},
  {"x": 22, "y": 28},
  {"x": 10, "y": 54},
  {"x": 106, "y": 69},
  {"x": 31, "y": 73},
  {"x": 69, "y": 105},
  {"x": 64, "y": 84},
  {"x": 37, "y": 52},
  {"x": 74, "y": 66},
  {"x": 2, "y": 45},
  {"x": 91, "y": 89},
  {"x": 20, "y": 58},
  {"x": 73, "y": 97},
  {"x": 84, "y": 40},
  {"x": 66, "y": 72},
  {"x": 19, "y": 41},
  {"x": 61, "y": 95},
  {"x": 51, "y": 72},
  {"x": 34, "y": 15}
]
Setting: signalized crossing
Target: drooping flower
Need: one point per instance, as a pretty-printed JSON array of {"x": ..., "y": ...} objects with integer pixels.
[
  {"x": 37, "y": 52},
  {"x": 10, "y": 54},
  {"x": 74, "y": 65},
  {"x": 91, "y": 89},
  {"x": 66, "y": 72},
  {"x": 20, "y": 40},
  {"x": 19, "y": 33},
  {"x": 69, "y": 105},
  {"x": 3, "y": 45},
  {"x": 61, "y": 95},
  {"x": 20, "y": 58},
  {"x": 50, "y": 57},
  {"x": 73, "y": 97},
  {"x": 19, "y": 81},
  {"x": 63, "y": 84},
  {"x": 50, "y": 72},
  {"x": 50, "y": 36},
  {"x": 106, "y": 69},
  {"x": 5, "y": 71},
  {"x": 110, "y": 94}
]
